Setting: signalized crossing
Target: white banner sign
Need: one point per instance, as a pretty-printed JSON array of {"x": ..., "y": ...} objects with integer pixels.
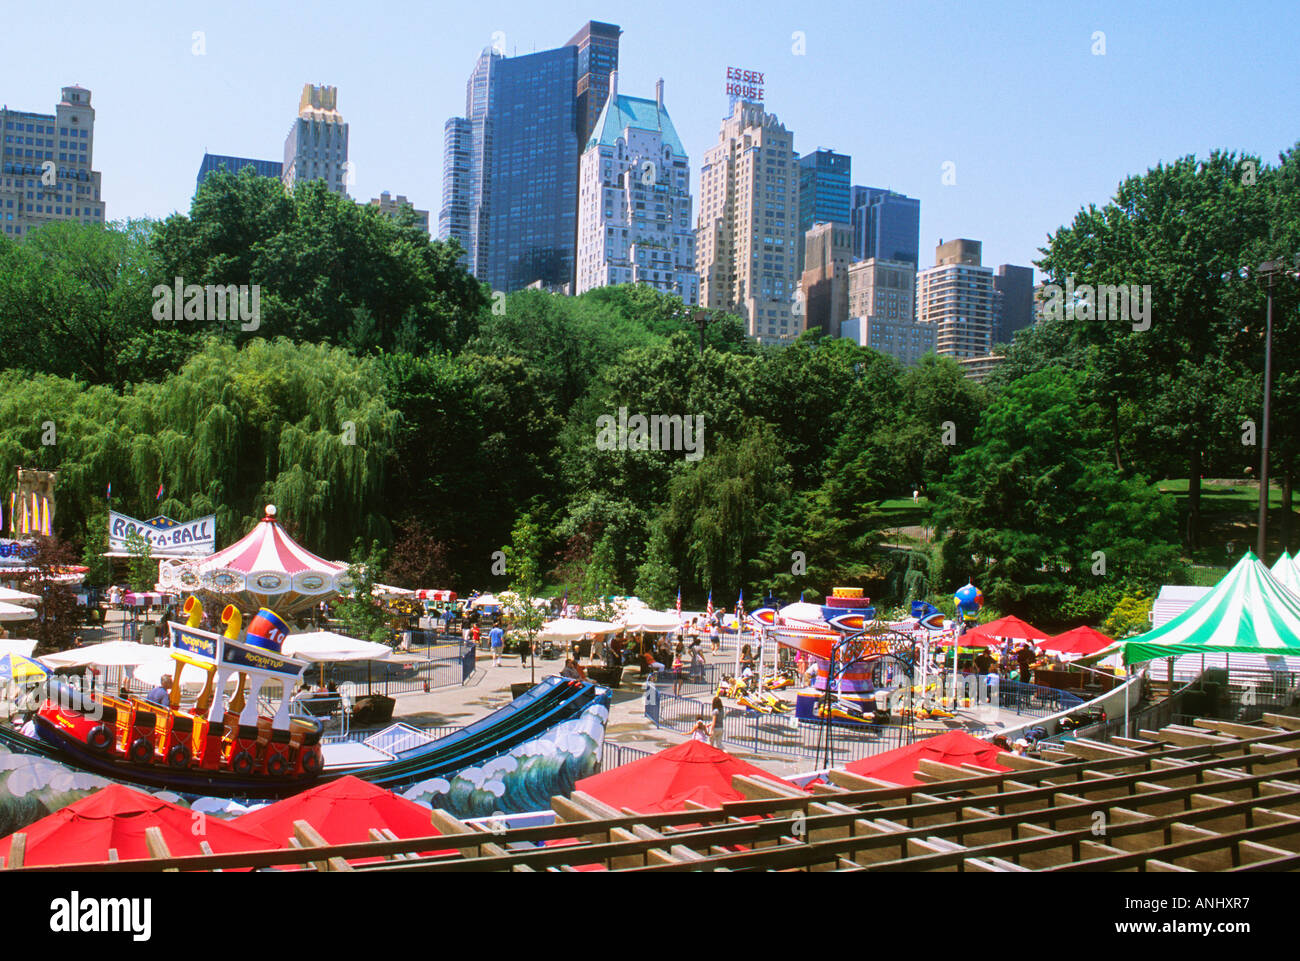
[{"x": 197, "y": 538}]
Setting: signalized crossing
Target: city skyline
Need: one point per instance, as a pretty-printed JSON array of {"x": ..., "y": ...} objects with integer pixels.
[{"x": 950, "y": 88}]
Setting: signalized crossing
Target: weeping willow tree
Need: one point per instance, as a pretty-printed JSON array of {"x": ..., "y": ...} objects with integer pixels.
[{"x": 303, "y": 426}]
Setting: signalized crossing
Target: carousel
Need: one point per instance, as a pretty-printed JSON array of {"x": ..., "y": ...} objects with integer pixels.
[{"x": 265, "y": 568}]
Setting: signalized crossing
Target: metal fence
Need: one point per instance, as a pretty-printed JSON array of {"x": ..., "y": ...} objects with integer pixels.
[
  {"x": 360, "y": 734},
  {"x": 616, "y": 755},
  {"x": 448, "y": 665},
  {"x": 776, "y": 733}
]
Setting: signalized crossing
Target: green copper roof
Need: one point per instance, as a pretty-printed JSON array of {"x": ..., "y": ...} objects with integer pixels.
[{"x": 633, "y": 112}]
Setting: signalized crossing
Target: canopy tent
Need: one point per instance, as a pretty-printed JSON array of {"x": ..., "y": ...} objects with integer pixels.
[
  {"x": 115, "y": 818},
  {"x": 342, "y": 812},
  {"x": 665, "y": 781},
  {"x": 13, "y": 612},
  {"x": 328, "y": 646},
  {"x": 387, "y": 590},
  {"x": 901, "y": 765},
  {"x": 1081, "y": 641},
  {"x": 649, "y": 622},
  {"x": 573, "y": 629},
  {"x": 108, "y": 654},
  {"x": 442, "y": 597},
  {"x": 268, "y": 568},
  {"x": 987, "y": 635},
  {"x": 9, "y": 596},
  {"x": 1247, "y": 612},
  {"x": 1286, "y": 571},
  {"x": 485, "y": 600}
]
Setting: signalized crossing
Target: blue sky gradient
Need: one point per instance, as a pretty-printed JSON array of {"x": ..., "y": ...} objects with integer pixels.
[{"x": 1010, "y": 92}]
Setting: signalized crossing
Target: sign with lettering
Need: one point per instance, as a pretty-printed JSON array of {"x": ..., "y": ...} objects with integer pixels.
[
  {"x": 745, "y": 84},
  {"x": 14, "y": 553},
  {"x": 246, "y": 658},
  {"x": 185, "y": 639},
  {"x": 196, "y": 538}
]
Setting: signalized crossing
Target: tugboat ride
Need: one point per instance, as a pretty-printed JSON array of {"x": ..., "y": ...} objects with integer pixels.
[{"x": 214, "y": 747}]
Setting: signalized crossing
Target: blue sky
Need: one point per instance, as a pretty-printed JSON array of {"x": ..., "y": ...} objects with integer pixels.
[{"x": 1010, "y": 92}]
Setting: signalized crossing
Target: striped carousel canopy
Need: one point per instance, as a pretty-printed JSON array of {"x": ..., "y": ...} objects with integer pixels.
[
  {"x": 1248, "y": 612},
  {"x": 1287, "y": 572},
  {"x": 268, "y": 568}
]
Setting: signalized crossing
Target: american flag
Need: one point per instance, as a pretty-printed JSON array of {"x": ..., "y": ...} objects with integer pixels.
[
  {"x": 708, "y": 611},
  {"x": 740, "y": 610},
  {"x": 679, "y": 602}
]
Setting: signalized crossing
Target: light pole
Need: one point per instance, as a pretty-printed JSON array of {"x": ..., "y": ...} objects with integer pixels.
[{"x": 702, "y": 320}]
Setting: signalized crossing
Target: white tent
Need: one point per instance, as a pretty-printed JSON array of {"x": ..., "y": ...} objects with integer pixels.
[
  {"x": 572, "y": 629},
  {"x": 328, "y": 646},
  {"x": 485, "y": 600},
  {"x": 108, "y": 654},
  {"x": 650, "y": 622},
  {"x": 12, "y": 612},
  {"x": 10, "y": 596}
]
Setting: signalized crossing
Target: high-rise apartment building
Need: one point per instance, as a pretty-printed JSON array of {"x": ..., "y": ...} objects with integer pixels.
[
  {"x": 510, "y": 165},
  {"x": 316, "y": 147},
  {"x": 214, "y": 162},
  {"x": 33, "y": 194},
  {"x": 881, "y": 308},
  {"x": 391, "y": 207},
  {"x": 634, "y": 200},
  {"x": 824, "y": 177},
  {"x": 825, "y": 280},
  {"x": 886, "y": 225},
  {"x": 1013, "y": 301},
  {"x": 597, "y": 45},
  {"x": 956, "y": 296},
  {"x": 746, "y": 239}
]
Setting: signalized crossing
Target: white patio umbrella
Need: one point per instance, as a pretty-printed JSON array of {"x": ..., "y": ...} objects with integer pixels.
[
  {"x": 328, "y": 646},
  {"x": 15, "y": 645},
  {"x": 192, "y": 679},
  {"x": 573, "y": 629},
  {"x": 12, "y": 612},
  {"x": 9, "y": 596},
  {"x": 108, "y": 654},
  {"x": 650, "y": 622}
]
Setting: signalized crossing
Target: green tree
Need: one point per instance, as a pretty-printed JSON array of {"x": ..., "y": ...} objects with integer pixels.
[
  {"x": 143, "y": 574},
  {"x": 523, "y": 567},
  {"x": 360, "y": 612}
]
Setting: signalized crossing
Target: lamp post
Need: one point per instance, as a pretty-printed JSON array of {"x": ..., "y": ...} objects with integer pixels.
[{"x": 702, "y": 320}]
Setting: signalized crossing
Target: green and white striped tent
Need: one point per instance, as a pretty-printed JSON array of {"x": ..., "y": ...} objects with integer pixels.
[
  {"x": 1287, "y": 572},
  {"x": 1248, "y": 612}
]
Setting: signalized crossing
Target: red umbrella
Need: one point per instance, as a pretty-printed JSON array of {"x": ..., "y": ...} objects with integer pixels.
[
  {"x": 665, "y": 781},
  {"x": 900, "y": 765},
  {"x": 987, "y": 635},
  {"x": 116, "y": 817},
  {"x": 342, "y": 812},
  {"x": 1082, "y": 640}
]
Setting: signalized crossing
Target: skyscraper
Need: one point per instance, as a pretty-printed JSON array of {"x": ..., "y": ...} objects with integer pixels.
[
  {"x": 214, "y": 162},
  {"x": 597, "y": 45},
  {"x": 33, "y": 194},
  {"x": 1013, "y": 301},
  {"x": 825, "y": 280},
  {"x": 886, "y": 225},
  {"x": 824, "y": 177},
  {"x": 316, "y": 147},
  {"x": 956, "y": 296},
  {"x": 634, "y": 200},
  {"x": 746, "y": 238},
  {"x": 392, "y": 207},
  {"x": 510, "y": 165}
]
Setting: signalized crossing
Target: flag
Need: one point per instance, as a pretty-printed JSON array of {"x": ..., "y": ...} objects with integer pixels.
[
  {"x": 708, "y": 611},
  {"x": 109, "y": 495},
  {"x": 679, "y": 602},
  {"x": 13, "y": 519},
  {"x": 160, "y": 492},
  {"x": 740, "y": 610}
]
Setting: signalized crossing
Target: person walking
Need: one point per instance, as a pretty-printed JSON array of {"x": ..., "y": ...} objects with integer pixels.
[
  {"x": 678, "y": 665},
  {"x": 715, "y": 725},
  {"x": 497, "y": 640}
]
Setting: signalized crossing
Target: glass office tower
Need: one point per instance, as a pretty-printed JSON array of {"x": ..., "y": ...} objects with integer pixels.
[
  {"x": 886, "y": 225},
  {"x": 824, "y": 177}
]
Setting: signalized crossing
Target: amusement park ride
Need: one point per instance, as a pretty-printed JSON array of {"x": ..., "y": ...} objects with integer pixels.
[
  {"x": 867, "y": 670},
  {"x": 212, "y": 746}
]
